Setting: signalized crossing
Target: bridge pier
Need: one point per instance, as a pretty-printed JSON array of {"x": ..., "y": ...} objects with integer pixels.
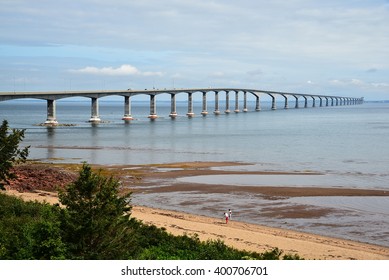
[
  {"x": 51, "y": 113},
  {"x": 245, "y": 101},
  {"x": 227, "y": 111},
  {"x": 204, "y": 111},
  {"x": 173, "y": 107},
  {"x": 190, "y": 113},
  {"x": 95, "y": 118},
  {"x": 297, "y": 102},
  {"x": 321, "y": 101},
  {"x": 286, "y": 101},
  {"x": 313, "y": 102},
  {"x": 236, "y": 102},
  {"x": 127, "y": 109},
  {"x": 305, "y": 102},
  {"x": 216, "y": 111},
  {"x": 257, "y": 104},
  {"x": 273, "y": 102},
  {"x": 153, "y": 108}
]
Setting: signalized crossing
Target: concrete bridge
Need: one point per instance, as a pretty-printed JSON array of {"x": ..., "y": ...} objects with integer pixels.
[{"x": 51, "y": 97}]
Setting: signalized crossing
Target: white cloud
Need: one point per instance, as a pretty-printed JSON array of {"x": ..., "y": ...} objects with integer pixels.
[
  {"x": 349, "y": 82},
  {"x": 124, "y": 70},
  {"x": 359, "y": 83},
  {"x": 380, "y": 85},
  {"x": 217, "y": 74}
]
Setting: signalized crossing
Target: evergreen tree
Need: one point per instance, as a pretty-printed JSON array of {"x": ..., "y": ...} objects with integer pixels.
[
  {"x": 10, "y": 152},
  {"x": 96, "y": 221}
]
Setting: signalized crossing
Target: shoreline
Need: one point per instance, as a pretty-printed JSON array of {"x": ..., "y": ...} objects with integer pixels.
[{"x": 242, "y": 235}]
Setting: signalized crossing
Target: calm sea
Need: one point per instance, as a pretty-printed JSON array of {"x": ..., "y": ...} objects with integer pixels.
[{"x": 348, "y": 144}]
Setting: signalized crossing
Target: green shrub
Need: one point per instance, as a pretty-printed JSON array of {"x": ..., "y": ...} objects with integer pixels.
[
  {"x": 10, "y": 152},
  {"x": 95, "y": 222},
  {"x": 29, "y": 230}
]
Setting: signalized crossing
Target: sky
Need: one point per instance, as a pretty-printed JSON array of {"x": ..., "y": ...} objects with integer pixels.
[{"x": 321, "y": 47}]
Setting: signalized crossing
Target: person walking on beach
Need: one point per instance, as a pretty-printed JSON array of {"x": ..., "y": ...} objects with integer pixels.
[
  {"x": 229, "y": 214},
  {"x": 226, "y": 216}
]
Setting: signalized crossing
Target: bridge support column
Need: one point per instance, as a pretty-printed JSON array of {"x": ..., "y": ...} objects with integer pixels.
[
  {"x": 95, "y": 118},
  {"x": 173, "y": 107},
  {"x": 153, "y": 108},
  {"x": 321, "y": 101},
  {"x": 305, "y": 102},
  {"x": 204, "y": 111},
  {"x": 297, "y": 102},
  {"x": 236, "y": 102},
  {"x": 216, "y": 111},
  {"x": 286, "y": 102},
  {"x": 313, "y": 101},
  {"x": 127, "y": 109},
  {"x": 326, "y": 101},
  {"x": 245, "y": 101},
  {"x": 227, "y": 111},
  {"x": 190, "y": 105},
  {"x": 273, "y": 103},
  {"x": 51, "y": 112},
  {"x": 257, "y": 104}
]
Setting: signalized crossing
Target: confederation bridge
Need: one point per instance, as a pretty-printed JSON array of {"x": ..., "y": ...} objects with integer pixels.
[{"x": 51, "y": 97}]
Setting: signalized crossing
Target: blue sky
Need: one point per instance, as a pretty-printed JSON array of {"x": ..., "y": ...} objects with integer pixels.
[{"x": 322, "y": 47}]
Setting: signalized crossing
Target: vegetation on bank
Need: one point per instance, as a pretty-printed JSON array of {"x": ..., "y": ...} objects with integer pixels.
[
  {"x": 94, "y": 223},
  {"x": 10, "y": 153}
]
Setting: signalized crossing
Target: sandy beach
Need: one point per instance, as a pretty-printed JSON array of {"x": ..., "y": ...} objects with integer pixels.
[{"x": 244, "y": 236}]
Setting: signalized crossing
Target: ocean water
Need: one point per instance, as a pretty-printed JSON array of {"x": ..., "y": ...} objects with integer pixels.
[{"x": 347, "y": 144}]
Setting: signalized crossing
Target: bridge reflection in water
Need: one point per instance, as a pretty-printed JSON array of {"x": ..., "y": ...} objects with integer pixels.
[{"x": 51, "y": 97}]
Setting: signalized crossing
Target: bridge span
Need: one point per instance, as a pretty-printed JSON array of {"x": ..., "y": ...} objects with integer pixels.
[{"x": 51, "y": 97}]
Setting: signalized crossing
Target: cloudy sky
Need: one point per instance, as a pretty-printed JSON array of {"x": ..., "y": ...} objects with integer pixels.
[{"x": 308, "y": 46}]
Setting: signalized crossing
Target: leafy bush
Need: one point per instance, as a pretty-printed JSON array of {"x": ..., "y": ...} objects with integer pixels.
[
  {"x": 29, "y": 230},
  {"x": 95, "y": 222},
  {"x": 10, "y": 152}
]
